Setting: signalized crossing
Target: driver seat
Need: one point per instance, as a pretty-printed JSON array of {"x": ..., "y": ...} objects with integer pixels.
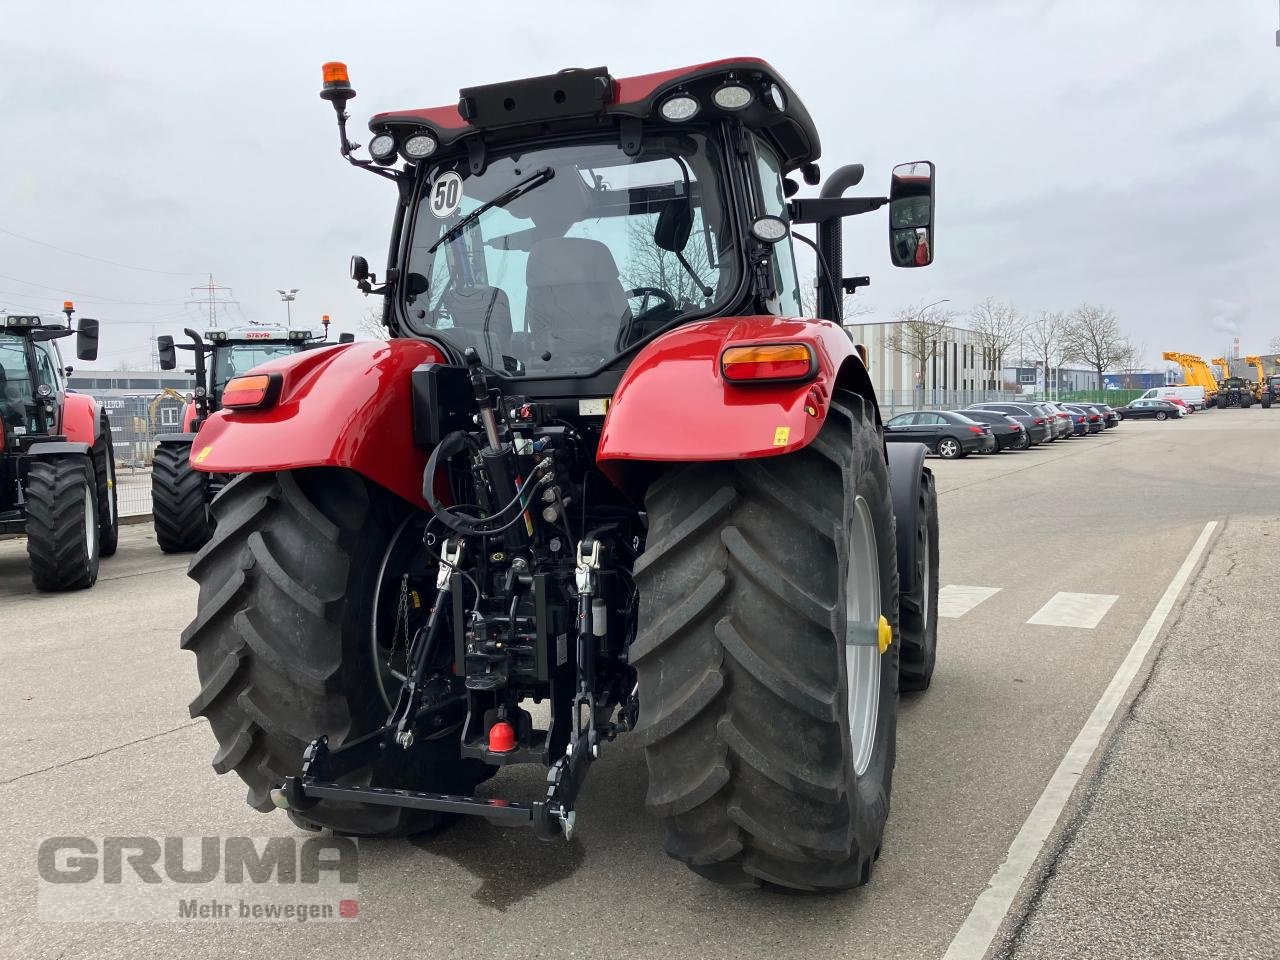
[{"x": 575, "y": 303}]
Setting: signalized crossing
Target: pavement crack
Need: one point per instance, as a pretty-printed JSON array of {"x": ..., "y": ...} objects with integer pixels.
[{"x": 99, "y": 753}]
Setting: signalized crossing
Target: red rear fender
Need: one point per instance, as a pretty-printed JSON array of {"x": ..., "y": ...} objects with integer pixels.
[
  {"x": 674, "y": 405},
  {"x": 341, "y": 406}
]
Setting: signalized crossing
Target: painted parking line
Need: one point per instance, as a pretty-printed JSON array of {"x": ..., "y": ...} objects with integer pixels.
[
  {"x": 1084, "y": 610},
  {"x": 975, "y": 936},
  {"x": 955, "y": 601}
]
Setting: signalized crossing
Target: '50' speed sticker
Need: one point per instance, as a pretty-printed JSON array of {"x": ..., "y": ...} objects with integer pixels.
[{"x": 446, "y": 195}]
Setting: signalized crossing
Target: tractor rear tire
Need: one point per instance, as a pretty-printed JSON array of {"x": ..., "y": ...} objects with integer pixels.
[
  {"x": 281, "y": 638},
  {"x": 179, "y": 500},
  {"x": 104, "y": 474},
  {"x": 1266, "y": 401},
  {"x": 745, "y": 654},
  {"x": 919, "y": 625},
  {"x": 62, "y": 523}
]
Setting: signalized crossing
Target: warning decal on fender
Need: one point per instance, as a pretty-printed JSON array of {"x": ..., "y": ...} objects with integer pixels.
[
  {"x": 781, "y": 436},
  {"x": 200, "y": 457}
]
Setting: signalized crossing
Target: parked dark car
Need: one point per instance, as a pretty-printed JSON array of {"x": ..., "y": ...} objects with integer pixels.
[
  {"x": 1032, "y": 420},
  {"x": 1092, "y": 418},
  {"x": 949, "y": 435},
  {"x": 1110, "y": 418},
  {"x": 1063, "y": 419},
  {"x": 1009, "y": 433},
  {"x": 1150, "y": 410}
]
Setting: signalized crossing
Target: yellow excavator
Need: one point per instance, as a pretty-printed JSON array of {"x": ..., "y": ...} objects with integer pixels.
[
  {"x": 1223, "y": 364},
  {"x": 1196, "y": 373},
  {"x": 1268, "y": 387},
  {"x": 153, "y": 409}
]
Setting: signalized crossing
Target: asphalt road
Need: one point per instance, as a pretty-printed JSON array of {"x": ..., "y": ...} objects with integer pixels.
[{"x": 1166, "y": 849}]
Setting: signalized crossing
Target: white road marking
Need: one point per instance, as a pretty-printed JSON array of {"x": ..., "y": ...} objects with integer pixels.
[
  {"x": 1074, "y": 610},
  {"x": 975, "y": 936},
  {"x": 955, "y": 601}
]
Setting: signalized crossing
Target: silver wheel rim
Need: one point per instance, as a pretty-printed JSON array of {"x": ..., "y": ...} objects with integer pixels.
[
  {"x": 948, "y": 448},
  {"x": 90, "y": 528},
  {"x": 862, "y": 633}
]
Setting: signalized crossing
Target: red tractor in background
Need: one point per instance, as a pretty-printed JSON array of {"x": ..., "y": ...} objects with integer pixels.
[
  {"x": 180, "y": 495},
  {"x": 603, "y": 464},
  {"x": 57, "y": 461}
]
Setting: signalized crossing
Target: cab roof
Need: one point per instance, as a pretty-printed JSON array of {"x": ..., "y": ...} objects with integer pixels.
[{"x": 581, "y": 98}]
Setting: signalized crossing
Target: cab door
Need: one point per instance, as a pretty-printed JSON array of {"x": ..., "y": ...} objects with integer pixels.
[{"x": 49, "y": 373}]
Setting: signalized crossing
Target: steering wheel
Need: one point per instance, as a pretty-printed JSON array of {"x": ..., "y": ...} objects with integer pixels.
[{"x": 667, "y": 300}]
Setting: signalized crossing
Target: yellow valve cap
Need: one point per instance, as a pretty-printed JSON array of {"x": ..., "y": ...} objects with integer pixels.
[{"x": 886, "y": 634}]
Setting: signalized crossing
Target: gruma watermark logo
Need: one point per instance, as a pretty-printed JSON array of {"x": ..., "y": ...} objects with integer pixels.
[{"x": 198, "y": 879}]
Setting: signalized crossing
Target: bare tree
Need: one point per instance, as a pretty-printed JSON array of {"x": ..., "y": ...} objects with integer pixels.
[
  {"x": 648, "y": 265},
  {"x": 1131, "y": 362},
  {"x": 851, "y": 308},
  {"x": 1044, "y": 335},
  {"x": 1093, "y": 337},
  {"x": 998, "y": 327},
  {"x": 370, "y": 324},
  {"x": 917, "y": 334}
]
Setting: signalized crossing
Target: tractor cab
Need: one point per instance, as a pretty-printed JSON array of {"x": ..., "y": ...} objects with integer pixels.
[
  {"x": 221, "y": 355},
  {"x": 32, "y": 374},
  {"x": 558, "y": 224}
]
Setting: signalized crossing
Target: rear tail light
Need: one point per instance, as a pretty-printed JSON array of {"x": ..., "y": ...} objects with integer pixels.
[
  {"x": 1038, "y": 421},
  {"x": 768, "y": 361},
  {"x": 1015, "y": 427},
  {"x": 1095, "y": 418},
  {"x": 977, "y": 430},
  {"x": 252, "y": 392}
]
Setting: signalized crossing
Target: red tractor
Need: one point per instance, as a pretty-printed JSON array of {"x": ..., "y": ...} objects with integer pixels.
[
  {"x": 57, "y": 462},
  {"x": 180, "y": 494},
  {"x": 604, "y": 465}
]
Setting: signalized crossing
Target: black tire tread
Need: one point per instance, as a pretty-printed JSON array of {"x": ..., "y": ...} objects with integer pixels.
[
  {"x": 920, "y": 639},
  {"x": 740, "y": 720},
  {"x": 108, "y": 496},
  {"x": 55, "y": 525},
  {"x": 276, "y": 650},
  {"x": 179, "y": 500}
]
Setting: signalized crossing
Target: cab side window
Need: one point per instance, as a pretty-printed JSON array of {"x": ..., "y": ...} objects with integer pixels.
[
  {"x": 773, "y": 201},
  {"x": 47, "y": 368}
]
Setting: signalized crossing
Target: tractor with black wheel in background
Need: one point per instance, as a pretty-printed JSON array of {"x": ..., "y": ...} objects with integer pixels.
[
  {"x": 57, "y": 460},
  {"x": 605, "y": 476},
  {"x": 180, "y": 495}
]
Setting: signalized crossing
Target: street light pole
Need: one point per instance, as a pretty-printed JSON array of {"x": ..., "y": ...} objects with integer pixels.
[{"x": 288, "y": 297}]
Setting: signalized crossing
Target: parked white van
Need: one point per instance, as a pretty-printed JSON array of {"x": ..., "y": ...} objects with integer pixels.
[{"x": 1191, "y": 396}]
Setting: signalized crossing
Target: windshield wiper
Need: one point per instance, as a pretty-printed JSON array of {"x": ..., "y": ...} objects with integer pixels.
[{"x": 531, "y": 182}]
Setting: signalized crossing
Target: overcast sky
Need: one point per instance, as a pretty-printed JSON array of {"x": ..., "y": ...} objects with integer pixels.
[{"x": 1123, "y": 153}]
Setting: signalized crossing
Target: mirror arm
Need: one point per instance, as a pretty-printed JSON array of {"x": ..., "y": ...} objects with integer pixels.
[{"x": 818, "y": 209}]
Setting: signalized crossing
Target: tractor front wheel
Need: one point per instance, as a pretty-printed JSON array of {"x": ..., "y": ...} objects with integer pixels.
[
  {"x": 104, "y": 474},
  {"x": 767, "y": 657},
  {"x": 179, "y": 500},
  {"x": 62, "y": 523},
  {"x": 281, "y": 638}
]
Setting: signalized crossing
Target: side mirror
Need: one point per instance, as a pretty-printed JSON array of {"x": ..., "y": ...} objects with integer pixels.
[
  {"x": 168, "y": 356},
  {"x": 911, "y": 214},
  {"x": 87, "y": 339},
  {"x": 346, "y": 338},
  {"x": 359, "y": 269}
]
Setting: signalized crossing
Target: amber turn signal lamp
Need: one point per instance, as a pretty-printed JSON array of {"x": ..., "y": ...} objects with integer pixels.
[
  {"x": 251, "y": 392},
  {"x": 768, "y": 362}
]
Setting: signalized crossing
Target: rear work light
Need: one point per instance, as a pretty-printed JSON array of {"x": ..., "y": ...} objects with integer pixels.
[
  {"x": 252, "y": 392},
  {"x": 768, "y": 362}
]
